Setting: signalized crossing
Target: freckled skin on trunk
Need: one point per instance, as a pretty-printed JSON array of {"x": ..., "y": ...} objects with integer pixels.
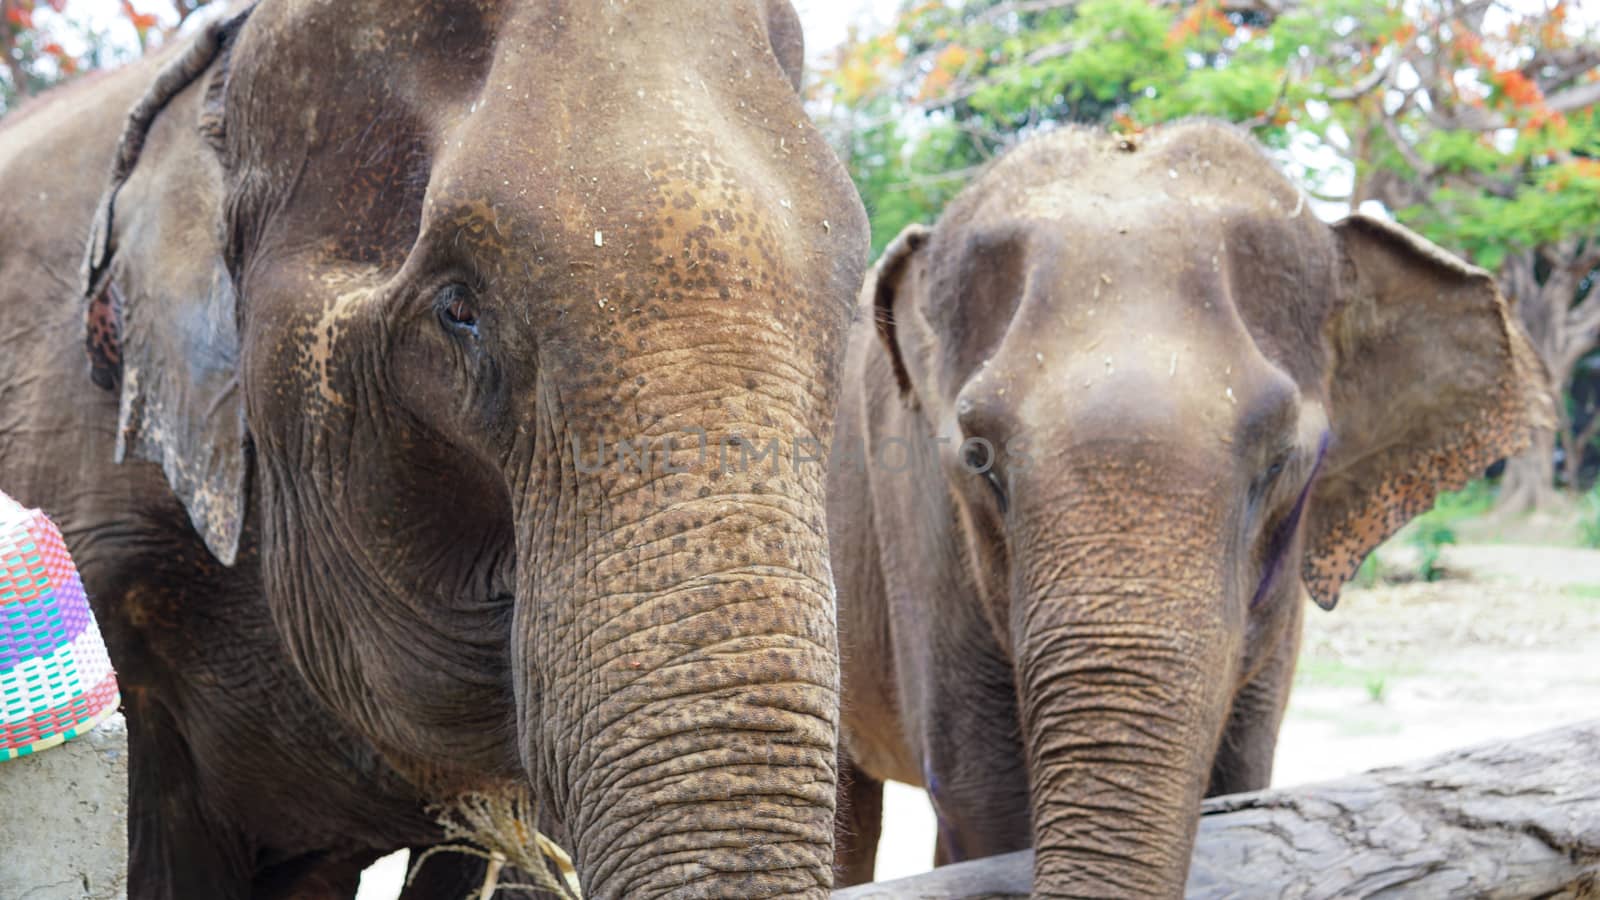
[{"x": 703, "y": 764}]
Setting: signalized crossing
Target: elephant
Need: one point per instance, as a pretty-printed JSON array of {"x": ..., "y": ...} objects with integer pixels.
[
  {"x": 1123, "y": 407},
  {"x": 301, "y": 325}
]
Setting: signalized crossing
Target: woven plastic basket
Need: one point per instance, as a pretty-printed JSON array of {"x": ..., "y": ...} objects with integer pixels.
[{"x": 55, "y": 677}]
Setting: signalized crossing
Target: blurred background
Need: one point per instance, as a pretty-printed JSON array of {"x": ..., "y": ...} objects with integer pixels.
[{"x": 1475, "y": 122}]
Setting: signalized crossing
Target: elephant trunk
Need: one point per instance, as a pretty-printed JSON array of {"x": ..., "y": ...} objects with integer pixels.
[
  {"x": 679, "y": 689},
  {"x": 1124, "y": 658}
]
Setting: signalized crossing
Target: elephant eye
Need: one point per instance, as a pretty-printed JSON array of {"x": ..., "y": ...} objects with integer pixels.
[
  {"x": 456, "y": 310},
  {"x": 977, "y": 457},
  {"x": 1269, "y": 475}
]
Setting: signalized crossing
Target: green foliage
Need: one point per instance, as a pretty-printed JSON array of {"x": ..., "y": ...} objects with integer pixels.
[
  {"x": 1377, "y": 688},
  {"x": 1367, "y": 575},
  {"x": 1430, "y": 532},
  {"x": 1589, "y": 519},
  {"x": 1470, "y": 502},
  {"x": 1429, "y": 537},
  {"x": 1465, "y": 134}
]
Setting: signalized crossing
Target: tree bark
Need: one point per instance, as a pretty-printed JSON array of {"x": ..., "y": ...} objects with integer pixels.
[
  {"x": 1528, "y": 484},
  {"x": 1561, "y": 334},
  {"x": 1518, "y": 819},
  {"x": 18, "y": 78}
]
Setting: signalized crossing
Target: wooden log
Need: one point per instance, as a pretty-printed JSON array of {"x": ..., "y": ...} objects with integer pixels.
[{"x": 1518, "y": 819}]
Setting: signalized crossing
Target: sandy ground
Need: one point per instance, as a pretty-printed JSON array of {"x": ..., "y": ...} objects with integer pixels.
[{"x": 1508, "y": 643}]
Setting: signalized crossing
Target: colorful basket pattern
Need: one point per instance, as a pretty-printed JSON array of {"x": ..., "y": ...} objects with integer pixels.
[{"x": 55, "y": 677}]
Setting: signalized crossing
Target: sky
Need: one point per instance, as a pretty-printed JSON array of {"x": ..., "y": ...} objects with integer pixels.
[{"x": 826, "y": 21}]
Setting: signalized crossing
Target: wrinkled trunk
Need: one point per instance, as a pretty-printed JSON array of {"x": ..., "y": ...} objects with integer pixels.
[
  {"x": 1120, "y": 720},
  {"x": 1125, "y": 660},
  {"x": 679, "y": 689}
]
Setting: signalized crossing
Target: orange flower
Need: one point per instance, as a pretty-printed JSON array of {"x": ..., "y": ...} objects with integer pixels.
[
  {"x": 1517, "y": 87},
  {"x": 935, "y": 84},
  {"x": 952, "y": 58},
  {"x": 1544, "y": 118},
  {"x": 1185, "y": 28},
  {"x": 1203, "y": 15},
  {"x": 141, "y": 21}
]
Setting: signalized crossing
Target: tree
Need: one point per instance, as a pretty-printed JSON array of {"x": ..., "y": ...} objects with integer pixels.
[
  {"x": 29, "y": 61},
  {"x": 1471, "y": 122},
  {"x": 42, "y": 42}
]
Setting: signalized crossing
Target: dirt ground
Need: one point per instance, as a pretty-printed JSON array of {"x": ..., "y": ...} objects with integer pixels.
[{"x": 1507, "y": 643}]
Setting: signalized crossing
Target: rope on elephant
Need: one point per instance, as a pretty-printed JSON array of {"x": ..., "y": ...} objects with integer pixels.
[{"x": 499, "y": 827}]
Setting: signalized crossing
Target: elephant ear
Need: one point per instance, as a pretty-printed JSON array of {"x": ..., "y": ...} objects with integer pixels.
[
  {"x": 1432, "y": 380},
  {"x": 888, "y": 286},
  {"x": 788, "y": 40},
  {"x": 162, "y": 319}
]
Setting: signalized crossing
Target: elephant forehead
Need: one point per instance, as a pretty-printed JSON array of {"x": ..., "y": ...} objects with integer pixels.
[
  {"x": 656, "y": 193},
  {"x": 569, "y": 109},
  {"x": 1189, "y": 284}
]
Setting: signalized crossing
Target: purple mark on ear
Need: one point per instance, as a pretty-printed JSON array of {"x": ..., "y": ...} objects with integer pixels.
[{"x": 1278, "y": 547}]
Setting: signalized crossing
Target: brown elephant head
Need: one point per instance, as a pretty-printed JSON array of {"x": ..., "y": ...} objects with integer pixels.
[
  {"x": 372, "y": 274},
  {"x": 1170, "y": 404}
]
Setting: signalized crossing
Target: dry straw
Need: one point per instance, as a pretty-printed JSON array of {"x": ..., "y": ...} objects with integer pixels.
[{"x": 500, "y": 827}]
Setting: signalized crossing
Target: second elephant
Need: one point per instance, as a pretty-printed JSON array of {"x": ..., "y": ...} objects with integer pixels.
[{"x": 1125, "y": 407}]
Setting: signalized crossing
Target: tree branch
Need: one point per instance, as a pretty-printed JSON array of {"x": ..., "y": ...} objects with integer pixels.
[
  {"x": 1022, "y": 7},
  {"x": 1583, "y": 439},
  {"x": 1380, "y": 75},
  {"x": 1413, "y": 159},
  {"x": 1574, "y": 98},
  {"x": 1562, "y": 65}
]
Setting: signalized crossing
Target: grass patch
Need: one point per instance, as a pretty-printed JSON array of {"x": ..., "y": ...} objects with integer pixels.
[
  {"x": 1367, "y": 575},
  {"x": 1433, "y": 530},
  {"x": 1377, "y": 687},
  {"x": 1585, "y": 591},
  {"x": 1352, "y": 722},
  {"x": 1375, "y": 681},
  {"x": 1430, "y": 538},
  {"x": 1589, "y": 519},
  {"x": 1470, "y": 502}
]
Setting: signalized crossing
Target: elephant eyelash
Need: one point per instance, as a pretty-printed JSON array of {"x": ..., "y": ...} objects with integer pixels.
[
  {"x": 999, "y": 490},
  {"x": 985, "y": 469},
  {"x": 456, "y": 310},
  {"x": 1270, "y": 476},
  {"x": 1282, "y": 536}
]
